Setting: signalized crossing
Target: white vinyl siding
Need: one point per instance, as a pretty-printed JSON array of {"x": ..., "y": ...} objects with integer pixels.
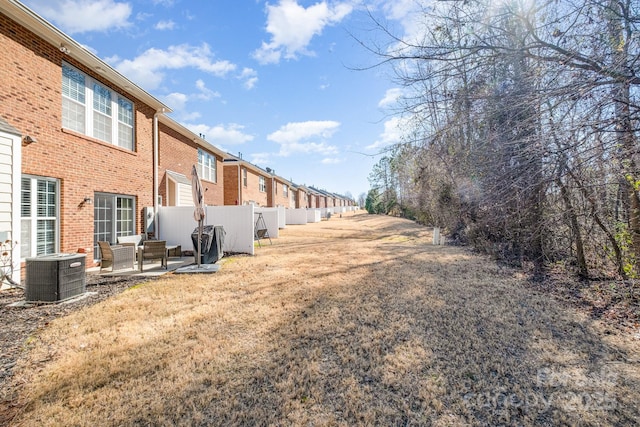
[
  {"x": 6, "y": 187},
  {"x": 207, "y": 166},
  {"x": 94, "y": 110},
  {"x": 39, "y": 216},
  {"x": 178, "y": 190}
]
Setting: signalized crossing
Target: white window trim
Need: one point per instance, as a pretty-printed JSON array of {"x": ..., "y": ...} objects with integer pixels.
[
  {"x": 208, "y": 170},
  {"x": 89, "y": 111},
  {"x": 262, "y": 184},
  {"x": 33, "y": 244}
]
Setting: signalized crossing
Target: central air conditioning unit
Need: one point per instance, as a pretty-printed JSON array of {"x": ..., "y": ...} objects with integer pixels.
[{"x": 52, "y": 278}]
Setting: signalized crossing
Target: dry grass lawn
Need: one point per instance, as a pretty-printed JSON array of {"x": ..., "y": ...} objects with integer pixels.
[{"x": 357, "y": 320}]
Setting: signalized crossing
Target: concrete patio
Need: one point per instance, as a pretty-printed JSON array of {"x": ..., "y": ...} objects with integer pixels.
[{"x": 151, "y": 269}]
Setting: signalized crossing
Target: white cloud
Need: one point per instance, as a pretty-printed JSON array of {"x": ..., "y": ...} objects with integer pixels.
[
  {"x": 408, "y": 13},
  {"x": 299, "y": 137},
  {"x": 390, "y": 97},
  {"x": 260, "y": 158},
  {"x": 222, "y": 134},
  {"x": 250, "y": 77},
  {"x": 294, "y": 132},
  {"x": 165, "y": 25},
  {"x": 331, "y": 161},
  {"x": 146, "y": 69},
  {"x": 205, "y": 94},
  {"x": 292, "y": 27},
  {"x": 177, "y": 101},
  {"x": 80, "y": 16},
  {"x": 392, "y": 134},
  {"x": 400, "y": 9}
]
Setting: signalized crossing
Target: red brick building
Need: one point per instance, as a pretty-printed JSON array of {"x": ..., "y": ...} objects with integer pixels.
[
  {"x": 90, "y": 171},
  {"x": 300, "y": 198},
  {"x": 280, "y": 191},
  {"x": 245, "y": 183},
  {"x": 180, "y": 149}
]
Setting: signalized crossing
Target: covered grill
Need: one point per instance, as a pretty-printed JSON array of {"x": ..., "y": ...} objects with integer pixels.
[{"x": 210, "y": 245}]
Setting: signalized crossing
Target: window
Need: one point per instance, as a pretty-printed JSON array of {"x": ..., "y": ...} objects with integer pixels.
[
  {"x": 244, "y": 176},
  {"x": 94, "y": 110},
  {"x": 285, "y": 190},
  {"x": 207, "y": 166},
  {"x": 39, "y": 216},
  {"x": 261, "y": 185},
  {"x": 113, "y": 216}
]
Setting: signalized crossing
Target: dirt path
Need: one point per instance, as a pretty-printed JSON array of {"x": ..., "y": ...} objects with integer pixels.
[{"x": 356, "y": 320}]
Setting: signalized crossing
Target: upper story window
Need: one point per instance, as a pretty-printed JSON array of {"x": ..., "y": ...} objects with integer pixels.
[
  {"x": 262, "y": 186},
  {"x": 94, "y": 110},
  {"x": 244, "y": 176},
  {"x": 207, "y": 166},
  {"x": 285, "y": 190}
]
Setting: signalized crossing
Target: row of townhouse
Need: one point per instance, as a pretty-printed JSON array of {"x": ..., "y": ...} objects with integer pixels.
[{"x": 87, "y": 155}]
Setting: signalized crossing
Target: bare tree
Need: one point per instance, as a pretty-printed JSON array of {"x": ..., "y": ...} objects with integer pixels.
[{"x": 525, "y": 122}]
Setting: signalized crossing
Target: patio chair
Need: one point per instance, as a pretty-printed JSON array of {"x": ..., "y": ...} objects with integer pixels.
[
  {"x": 152, "y": 250},
  {"x": 135, "y": 241},
  {"x": 117, "y": 257}
]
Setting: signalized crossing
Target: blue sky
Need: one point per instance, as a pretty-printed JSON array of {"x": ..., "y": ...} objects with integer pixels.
[{"x": 272, "y": 80}]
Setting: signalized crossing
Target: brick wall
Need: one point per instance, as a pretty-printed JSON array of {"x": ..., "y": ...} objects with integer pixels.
[
  {"x": 178, "y": 153},
  {"x": 279, "y": 198},
  {"x": 302, "y": 199},
  {"x": 272, "y": 190},
  {"x": 252, "y": 193},
  {"x": 30, "y": 100},
  {"x": 231, "y": 185},
  {"x": 249, "y": 193}
]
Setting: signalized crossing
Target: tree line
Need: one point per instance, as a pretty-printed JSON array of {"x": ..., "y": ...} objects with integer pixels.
[{"x": 520, "y": 126}]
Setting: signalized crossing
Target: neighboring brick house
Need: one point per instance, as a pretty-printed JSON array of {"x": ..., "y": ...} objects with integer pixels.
[
  {"x": 312, "y": 199},
  {"x": 180, "y": 149},
  {"x": 244, "y": 182},
  {"x": 90, "y": 172},
  {"x": 300, "y": 199},
  {"x": 279, "y": 193},
  {"x": 320, "y": 199}
]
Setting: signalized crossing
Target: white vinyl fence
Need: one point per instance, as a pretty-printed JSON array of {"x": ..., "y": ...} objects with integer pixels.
[
  {"x": 282, "y": 217},
  {"x": 313, "y": 215},
  {"x": 296, "y": 216},
  {"x": 176, "y": 223}
]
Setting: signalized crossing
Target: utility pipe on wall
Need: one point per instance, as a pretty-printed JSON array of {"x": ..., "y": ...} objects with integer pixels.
[{"x": 156, "y": 137}]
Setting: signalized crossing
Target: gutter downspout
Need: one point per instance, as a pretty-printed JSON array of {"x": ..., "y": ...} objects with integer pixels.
[
  {"x": 156, "y": 150},
  {"x": 239, "y": 185}
]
